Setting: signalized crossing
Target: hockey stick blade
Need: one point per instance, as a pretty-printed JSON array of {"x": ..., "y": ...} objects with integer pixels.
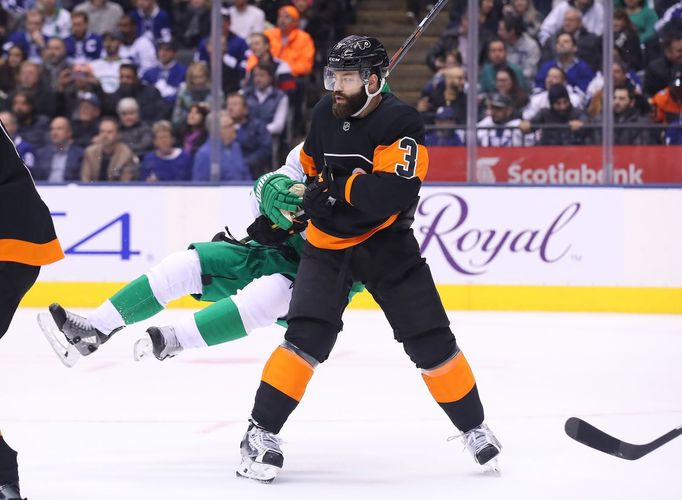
[
  {"x": 66, "y": 352},
  {"x": 589, "y": 435}
]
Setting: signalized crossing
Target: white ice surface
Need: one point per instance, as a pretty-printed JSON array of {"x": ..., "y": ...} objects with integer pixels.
[{"x": 111, "y": 428}]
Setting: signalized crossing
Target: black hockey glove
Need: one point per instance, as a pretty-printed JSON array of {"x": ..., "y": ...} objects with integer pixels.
[
  {"x": 261, "y": 230},
  {"x": 323, "y": 194}
]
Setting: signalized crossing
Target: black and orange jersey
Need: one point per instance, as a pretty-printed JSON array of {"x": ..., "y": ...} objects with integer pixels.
[
  {"x": 27, "y": 234},
  {"x": 384, "y": 157}
]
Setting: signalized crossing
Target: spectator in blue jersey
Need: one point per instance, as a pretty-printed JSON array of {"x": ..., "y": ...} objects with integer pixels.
[
  {"x": 252, "y": 136},
  {"x": 444, "y": 134},
  {"x": 82, "y": 46},
  {"x": 169, "y": 74},
  {"x": 166, "y": 162},
  {"x": 152, "y": 106},
  {"x": 578, "y": 73},
  {"x": 152, "y": 21},
  {"x": 59, "y": 160},
  {"x": 54, "y": 62},
  {"x": 24, "y": 148},
  {"x": 234, "y": 50},
  {"x": 266, "y": 102},
  {"x": 674, "y": 12},
  {"x": 32, "y": 40},
  {"x": 57, "y": 19},
  {"x": 32, "y": 126},
  {"x": 195, "y": 89},
  {"x": 232, "y": 165}
]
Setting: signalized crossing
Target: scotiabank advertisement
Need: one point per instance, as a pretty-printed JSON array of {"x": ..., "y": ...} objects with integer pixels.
[{"x": 558, "y": 165}]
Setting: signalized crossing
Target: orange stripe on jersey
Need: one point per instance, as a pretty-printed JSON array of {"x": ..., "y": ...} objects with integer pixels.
[
  {"x": 349, "y": 185},
  {"x": 404, "y": 157},
  {"x": 450, "y": 382},
  {"x": 318, "y": 238},
  {"x": 32, "y": 254},
  {"x": 308, "y": 164},
  {"x": 287, "y": 372}
]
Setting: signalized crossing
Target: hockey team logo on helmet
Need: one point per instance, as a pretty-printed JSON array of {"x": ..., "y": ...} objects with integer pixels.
[{"x": 365, "y": 54}]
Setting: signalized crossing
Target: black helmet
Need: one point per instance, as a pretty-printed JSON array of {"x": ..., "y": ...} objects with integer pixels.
[{"x": 359, "y": 53}]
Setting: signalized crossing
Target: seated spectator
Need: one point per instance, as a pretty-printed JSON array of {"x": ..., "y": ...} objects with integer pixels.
[
  {"x": 672, "y": 13},
  {"x": 489, "y": 16},
  {"x": 246, "y": 19},
  {"x": 561, "y": 112},
  {"x": 168, "y": 75},
  {"x": 85, "y": 124},
  {"x": 103, "y": 15},
  {"x": 139, "y": 50},
  {"x": 234, "y": 50},
  {"x": 134, "y": 133},
  {"x": 71, "y": 82},
  {"x": 643, "y": 17},
  {"x": 453, "y": 59},
  {"x": 588, "y": 44},
  {"x": 60, "y": 160},
  {"x": 193, "y": 132},
  {"x": 622, "y": 77},
  {"x": 165, "y": 162},
  {"x": 108, "y": 159},
  {"x": 37, "y": 89},
  {"x": 500, "y": 111},
  {"x": 497, "y": 57},
  {"x": 451, "y": 95},
  {"x": 152, "y": 106},
  {"x": 540, "y": 99},
  {"x": 32, "y": 126},
  {"x": 54, "y": 62},
  {"x": 445, "y": 134},
  {"x": 592, "y": 18},
  {"x": 578, "y": 73},
  {"x": 625, "y": 112},
  {"x": 522, "y": 50},
  {"x": 9, "y": 70},
  {"x": 291, "y": 44},
  {"x": 32, "y": 41},
  {"x": 107, "y": 69},
  {"x": 265, "y": 102},
  {"x": 259, "y": 45},
  {"x": 252, "y": 136},
  {"x": 657, "y": 72},
  {"x": 82, "y": 46},
  {"x": 507, "y": 85},
  {"x": 57, "y": 20},
  {"x": 195, "y": 89},
  {"x": 232, "y": 165},
  {"x": 626, "y": 40},
  {"x": 525, "y": 9},
  {"x": 151, "y": 21},
  {"x": 667, "y": 103},
  {"x": 24, "y": 148},
  {"x": 194, "y": 23}
]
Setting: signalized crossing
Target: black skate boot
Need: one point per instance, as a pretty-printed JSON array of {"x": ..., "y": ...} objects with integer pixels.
[
  {"x": 77, "y": 330},
  {"x": 483, "y": 446},
  {"x": 262, "y": 458},
  {"x": 10, "y": 491},
  {"x": 161, "y": 342}
]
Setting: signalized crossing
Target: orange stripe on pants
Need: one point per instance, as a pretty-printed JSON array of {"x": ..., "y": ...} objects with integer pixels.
[
  {"x": 287, "y": 372},
  {"x": 451, "y": 381}
]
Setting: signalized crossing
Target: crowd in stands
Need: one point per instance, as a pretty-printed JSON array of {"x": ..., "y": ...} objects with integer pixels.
[
  {"x": 103, "y": 90},
  {"x": 540, "y": 74}
]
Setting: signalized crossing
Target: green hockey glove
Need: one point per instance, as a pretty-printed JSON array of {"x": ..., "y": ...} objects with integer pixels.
[{"x": 279, "y": 198}]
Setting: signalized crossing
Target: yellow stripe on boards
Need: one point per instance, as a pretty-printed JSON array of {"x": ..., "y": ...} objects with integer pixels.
[{"x": 455, "y": 297}]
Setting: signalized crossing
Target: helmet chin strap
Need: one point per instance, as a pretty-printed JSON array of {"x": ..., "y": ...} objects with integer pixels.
[{"x": 370, "y": 96}]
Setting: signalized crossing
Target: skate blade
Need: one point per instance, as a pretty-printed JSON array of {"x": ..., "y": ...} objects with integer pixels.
[
  {"x": 66, "y": 352},
  {"x": 143, "y": 349},
  {"x": 492, "y": 468},
  {"x": 263, "y": 473}
]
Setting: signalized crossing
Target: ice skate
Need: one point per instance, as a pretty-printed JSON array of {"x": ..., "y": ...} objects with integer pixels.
[
  {"x": 483, "y": 446},
  {"x": 161, "y": 342},
  {"x": 70, "y": 335},
  {"x": 10, "y": 491},
  {"x": 262, "y": 457}
]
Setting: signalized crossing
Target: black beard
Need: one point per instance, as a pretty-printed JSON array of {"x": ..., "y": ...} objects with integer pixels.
[{"x": 353, "y": 104}]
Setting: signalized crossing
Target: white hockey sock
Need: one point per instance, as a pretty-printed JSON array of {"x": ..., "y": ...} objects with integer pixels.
[{"x": 106, "y": 318}]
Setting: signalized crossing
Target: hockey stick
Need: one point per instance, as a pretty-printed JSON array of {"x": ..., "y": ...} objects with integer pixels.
[
  {"x": 416, "y": 34},
  {"x": 590, "y": 436}
]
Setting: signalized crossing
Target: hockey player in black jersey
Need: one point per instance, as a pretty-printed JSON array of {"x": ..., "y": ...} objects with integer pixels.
[
  {"x": 27, "y": 241},
  {"x": 365, "y": 160}
]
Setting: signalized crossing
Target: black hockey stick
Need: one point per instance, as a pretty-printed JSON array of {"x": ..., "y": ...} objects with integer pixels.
[
  {"x": 590, "y": 436},
  {"x": 410, "y": 40}
]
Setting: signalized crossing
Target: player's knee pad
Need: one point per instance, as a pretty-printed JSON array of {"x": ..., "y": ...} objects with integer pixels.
[
  {"x": 313, "y": 337},
  {"x": 431, "y": 348},
  {"x": 176, "y": 275}
]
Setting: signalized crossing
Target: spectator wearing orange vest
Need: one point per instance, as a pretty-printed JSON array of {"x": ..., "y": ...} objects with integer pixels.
[
  {"x": 291, "y": 44},
  {"x": 667, "y": 103}
]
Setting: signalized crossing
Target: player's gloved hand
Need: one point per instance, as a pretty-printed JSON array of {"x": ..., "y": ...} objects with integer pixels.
[
  {"x": 323, "y": 194},
  {"x": 276, "y": 199},
  {"x": 261, "y": 230}
]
